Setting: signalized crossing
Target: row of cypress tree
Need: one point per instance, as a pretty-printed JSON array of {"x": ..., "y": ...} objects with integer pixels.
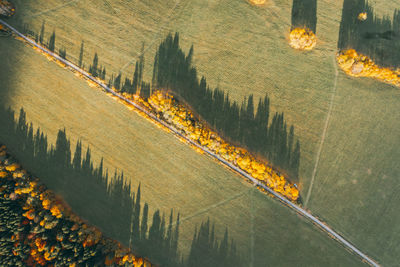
[
  {"x": 265, "y": 134},
  {"x": 110, "y": 203},
  {"x": 376, "y": 37},
  {"x": 273, "y": 140}
]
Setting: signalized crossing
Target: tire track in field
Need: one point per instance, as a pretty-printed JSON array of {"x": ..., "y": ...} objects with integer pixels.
[
  {"x": 52, "y": 9},
  {"x": 328, "y": 116},
  {"x": 213, "y": 206},
  {"x": 156, "y": 36}
]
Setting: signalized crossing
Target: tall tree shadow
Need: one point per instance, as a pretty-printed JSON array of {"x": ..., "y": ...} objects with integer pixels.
[
  {"x": 378, "y": 38},
  {"x": 304, "y": 14},
  {"x": 8, "y": 66},
  {"x": 108, "y": 202}
]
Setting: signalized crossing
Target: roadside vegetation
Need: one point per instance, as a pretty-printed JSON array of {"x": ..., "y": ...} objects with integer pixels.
[
  {"x": 268, "y": 137},
  {"x": 272, "y": 142},
  {"x": 169, "y": 109}
]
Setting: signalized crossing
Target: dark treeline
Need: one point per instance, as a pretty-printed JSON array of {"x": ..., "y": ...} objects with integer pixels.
[
  {"x": 378, "y": 38},
  {"x": 304, "y": 14},
  {"x": 275, "y": 141},
  {"x": 107, "y": 202}
]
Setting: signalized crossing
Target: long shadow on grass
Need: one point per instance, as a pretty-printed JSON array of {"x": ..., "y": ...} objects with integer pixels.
[
  {"x": 109, "y": 203},
  {"x": 378, "y": 38},
  {"x": 304, "y": 14},
  {"x": 8, "y": 66}
]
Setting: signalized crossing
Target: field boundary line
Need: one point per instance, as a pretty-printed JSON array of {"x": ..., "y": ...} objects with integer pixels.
[
  {"x": 52, "y": 9},
  {"x": 282, "y": 199},
  {"x": 321, "y": 144},
  {"x": 213, "y": 206},
  {"x": 153, "y": 41}
]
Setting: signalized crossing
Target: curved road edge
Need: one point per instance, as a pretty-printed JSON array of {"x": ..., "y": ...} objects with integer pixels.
[{"x": 290, "y": 204}]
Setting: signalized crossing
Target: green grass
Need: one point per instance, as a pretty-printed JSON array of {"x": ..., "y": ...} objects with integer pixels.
[
  {"x": 171, "y": 173},
  {"x": 359, "y": 162},
  {"x": 243, "y": 49}
]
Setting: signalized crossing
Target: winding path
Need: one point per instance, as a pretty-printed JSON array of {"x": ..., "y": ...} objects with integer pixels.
[{"x": 285, "y": 201}]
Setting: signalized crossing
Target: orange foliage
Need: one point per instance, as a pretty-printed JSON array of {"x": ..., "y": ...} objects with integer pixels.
[
  {"x": 46, "y": 204},
  {"x": 302, "y": 39},
  {"x": 362, "y": 16},
  {"x": 359, "y": 65},
  {"x": 56, "y": 211},
  {"x": 29, "y": 214},
  {"x": 182, "y": 119},
  {"x": 40, "y": 244},
  {"x": 13, "y": 167},
  {"x": 109, "y": 261},
  {"x": 257, "y": 2}
]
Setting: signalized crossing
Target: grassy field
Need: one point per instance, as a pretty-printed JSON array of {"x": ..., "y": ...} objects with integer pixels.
[
  {"x": 244, "y": 49},
  {"x": 172, "y": 174}
]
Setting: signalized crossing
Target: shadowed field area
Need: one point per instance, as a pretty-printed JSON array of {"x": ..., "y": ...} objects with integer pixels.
[
  {"x": 172, "y": 175},
  {"x": 243, "y": 49}
]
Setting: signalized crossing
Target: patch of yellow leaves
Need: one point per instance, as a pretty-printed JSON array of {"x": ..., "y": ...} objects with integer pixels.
[
  {"x": 12, "y": 167},
  {"x": 362, "y": 16},
  {"x": 359, "y": 65},
  {"x": 182, "y": 119},
  {"x": 302, "y": 39},
  {"x": 257, "y": 2}
]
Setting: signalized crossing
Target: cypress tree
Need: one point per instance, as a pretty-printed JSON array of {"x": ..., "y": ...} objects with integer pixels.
[
  {"x": 81, "y": 54},
  {"x": 117, "y": 82},
  {"x": 250, "y": 124},
  {"x": 295, "y": 161},
  {"x": 77, "y": 161},
  {"x": 135, "y": 80},
  {"x": 143, "y": 224},
  {"x": 127, "y": 86},
  {"x": 141, "y": 66},
  {"x": 93, "y": 69},
  {"x": 173, "y": 70},
  {"x": 41, "y": 35},
  {"x": 63, "y": 53},
  {"x": 290, "y": 147},
  {"x": 304, "y": 14},
  {"x": 52, "y": 42},
  {"x": 103, "y": 73},
  {"x": 136, "y": 218}
]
